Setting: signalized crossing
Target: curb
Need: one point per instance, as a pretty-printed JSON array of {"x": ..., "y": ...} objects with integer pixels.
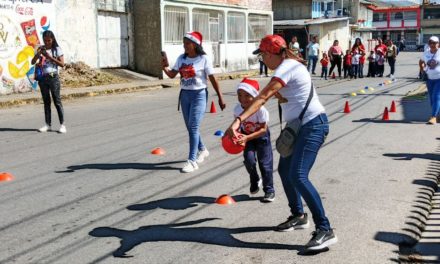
[
  {"x": 154, "y": 85},
  {"x": 415, "y": 223}
]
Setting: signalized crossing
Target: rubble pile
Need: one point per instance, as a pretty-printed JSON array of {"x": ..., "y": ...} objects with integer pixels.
[{"x": 79, "y": 74}]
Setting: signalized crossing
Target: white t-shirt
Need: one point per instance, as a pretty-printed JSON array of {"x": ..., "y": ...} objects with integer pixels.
[
  {"x": 432, "y": 62},
  {"x": 255, "y": 122},
  {"x": 194, "y": 72},
  {"x": 313, "y": 49},
  {"x": 50, "y": 66},
  {"x": 355, "y": 59},
  {"x": 297, "y": 84}
]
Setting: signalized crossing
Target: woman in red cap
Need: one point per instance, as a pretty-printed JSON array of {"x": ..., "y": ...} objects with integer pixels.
[
  {"x": 195, "y": 67},
  {"x": 292, "y": 85}
]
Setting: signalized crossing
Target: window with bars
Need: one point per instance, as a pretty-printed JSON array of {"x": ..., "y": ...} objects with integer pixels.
[
  {"x": 410, "y": 15},
  {"x": 379, "y": 17},
  {"x": 431, "y": 13},
  {"x": 236, "y": 27},
  {"x": 176, "y": 24},
  {"x": 210, "y": 23},
  {"x": 113, "y": 5},
  {"x": 258, "y": 27},
  {"x": 397, "y": 16}
]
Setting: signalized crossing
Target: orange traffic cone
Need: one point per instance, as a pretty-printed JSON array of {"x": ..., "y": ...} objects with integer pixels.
[
  {"x": 213, "y": 110},
  {"x": 393, "y": 107},
  {"x": 347, "y": 108},
  {"x": 5, "y": 176},
  {"x": 225, "y": 199},
  {"x": 333, "y": 76},
  {"x": 385, "y": 114},
  {"x": 158, "y": 151}
]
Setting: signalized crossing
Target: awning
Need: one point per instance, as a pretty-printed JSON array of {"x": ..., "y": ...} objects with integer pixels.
[{"x": 305, "y": 22}]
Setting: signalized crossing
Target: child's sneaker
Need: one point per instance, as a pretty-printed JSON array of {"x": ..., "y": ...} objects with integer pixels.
[
  {"x": 202, "y": 155},
  {"x": 255, "y": 188},
  {"x": 190, "y": 166},
  {"x": 268, "y": 198},
  {"x": 43, "y": 129}
]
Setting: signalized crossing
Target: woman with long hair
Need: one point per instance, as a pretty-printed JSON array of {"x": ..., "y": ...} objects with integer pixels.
[
  {"x": 195, "y": 67},
  {"x": 49, "y": 57}
]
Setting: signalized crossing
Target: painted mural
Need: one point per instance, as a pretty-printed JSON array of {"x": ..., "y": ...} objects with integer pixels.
[{"x": 22, "y": 23}]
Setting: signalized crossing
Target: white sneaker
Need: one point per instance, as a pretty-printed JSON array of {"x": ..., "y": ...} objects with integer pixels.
[
  {"x": 44, "y": 129},
  {"x": 202, "y": 155},
  {"x": 190, "y": 166},
  {"x": 62, "y": 129}
]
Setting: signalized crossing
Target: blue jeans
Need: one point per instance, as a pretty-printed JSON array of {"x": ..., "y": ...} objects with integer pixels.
[
  {"x": 260, "y": 149},
  {"x": 193, "y": 103},
  {"x": 354, "y": 70},
  {"x": 312, "y": 63},
  {"x": 434, "y": 95},
  {"x": 294, "y": 171}
]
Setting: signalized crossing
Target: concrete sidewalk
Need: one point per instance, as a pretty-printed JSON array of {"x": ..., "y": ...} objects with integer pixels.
[{"x": 34, "y": 97}]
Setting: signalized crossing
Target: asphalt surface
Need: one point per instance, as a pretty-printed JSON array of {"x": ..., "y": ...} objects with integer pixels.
[{"x": 79, "y": 197}]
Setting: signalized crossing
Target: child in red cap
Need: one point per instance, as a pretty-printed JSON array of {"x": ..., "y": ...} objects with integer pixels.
[{"x": 256, "y": 139}]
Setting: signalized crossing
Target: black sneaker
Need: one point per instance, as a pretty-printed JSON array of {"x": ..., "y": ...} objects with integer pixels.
[
  {"x": 321, "y": 239},
  {"x": 255, "y": 187},
  {"x": 268, "y": 198},
  {"x": 293, "y": 222}
]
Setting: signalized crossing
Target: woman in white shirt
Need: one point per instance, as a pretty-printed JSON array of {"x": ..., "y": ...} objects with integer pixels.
[
  {"x": 430, "y": 62},
  {"x": 48, "y": 58},
  {"x": 195, "y": 67},
  {"x": 292, "y": 85}
]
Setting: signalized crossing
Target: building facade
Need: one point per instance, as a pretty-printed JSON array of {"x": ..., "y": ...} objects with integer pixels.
[
  {"x": 398, "y": 23},
  {"x": 307, "y": 18},
  {"x": 430, "y": 22},
  {"x": 231, "y": 30}
]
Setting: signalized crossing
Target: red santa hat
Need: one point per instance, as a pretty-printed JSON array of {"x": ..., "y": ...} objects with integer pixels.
[
  {"x": 250, "y": 86},
  {"x": 195, "y": 37}
]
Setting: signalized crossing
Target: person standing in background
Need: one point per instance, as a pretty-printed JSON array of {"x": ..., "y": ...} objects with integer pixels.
[{"x": 313, "y": 53}]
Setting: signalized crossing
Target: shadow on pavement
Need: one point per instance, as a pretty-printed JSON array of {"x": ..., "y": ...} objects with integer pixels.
[
  {"x": 7, "y": 129},
  {"x": 123, "y": 166},
  {"x": 410, "y": 156},
  {"x": 413, "y": 112},
  {"x": 182, "y": 203},
  {"x": 181, "y": 232}
]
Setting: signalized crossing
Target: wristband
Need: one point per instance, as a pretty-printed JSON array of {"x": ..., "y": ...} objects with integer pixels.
[{"x": 239, "y": 119}]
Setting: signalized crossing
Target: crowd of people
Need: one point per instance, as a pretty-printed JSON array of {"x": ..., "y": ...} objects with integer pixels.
[{"x": 350, "y": 64}]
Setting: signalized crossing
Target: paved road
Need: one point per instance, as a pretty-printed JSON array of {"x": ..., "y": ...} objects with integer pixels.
[{"x": 78, "y": 197}]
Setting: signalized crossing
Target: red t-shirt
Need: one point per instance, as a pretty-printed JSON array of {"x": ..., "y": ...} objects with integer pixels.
[
  {"x": 347, "y": 59},
  {"x": 362, "y": 59},
  {"x": 324, "y": 62},
  {"x": 359, "y": 49},
  {"x": 381, "y": 48}
]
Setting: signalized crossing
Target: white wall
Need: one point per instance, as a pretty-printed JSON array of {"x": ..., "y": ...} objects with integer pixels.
[{"x": 76, "y": 30}]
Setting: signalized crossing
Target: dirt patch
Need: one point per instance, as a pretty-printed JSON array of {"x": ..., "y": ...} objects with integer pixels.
[{"x": 79, "y": 74}]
